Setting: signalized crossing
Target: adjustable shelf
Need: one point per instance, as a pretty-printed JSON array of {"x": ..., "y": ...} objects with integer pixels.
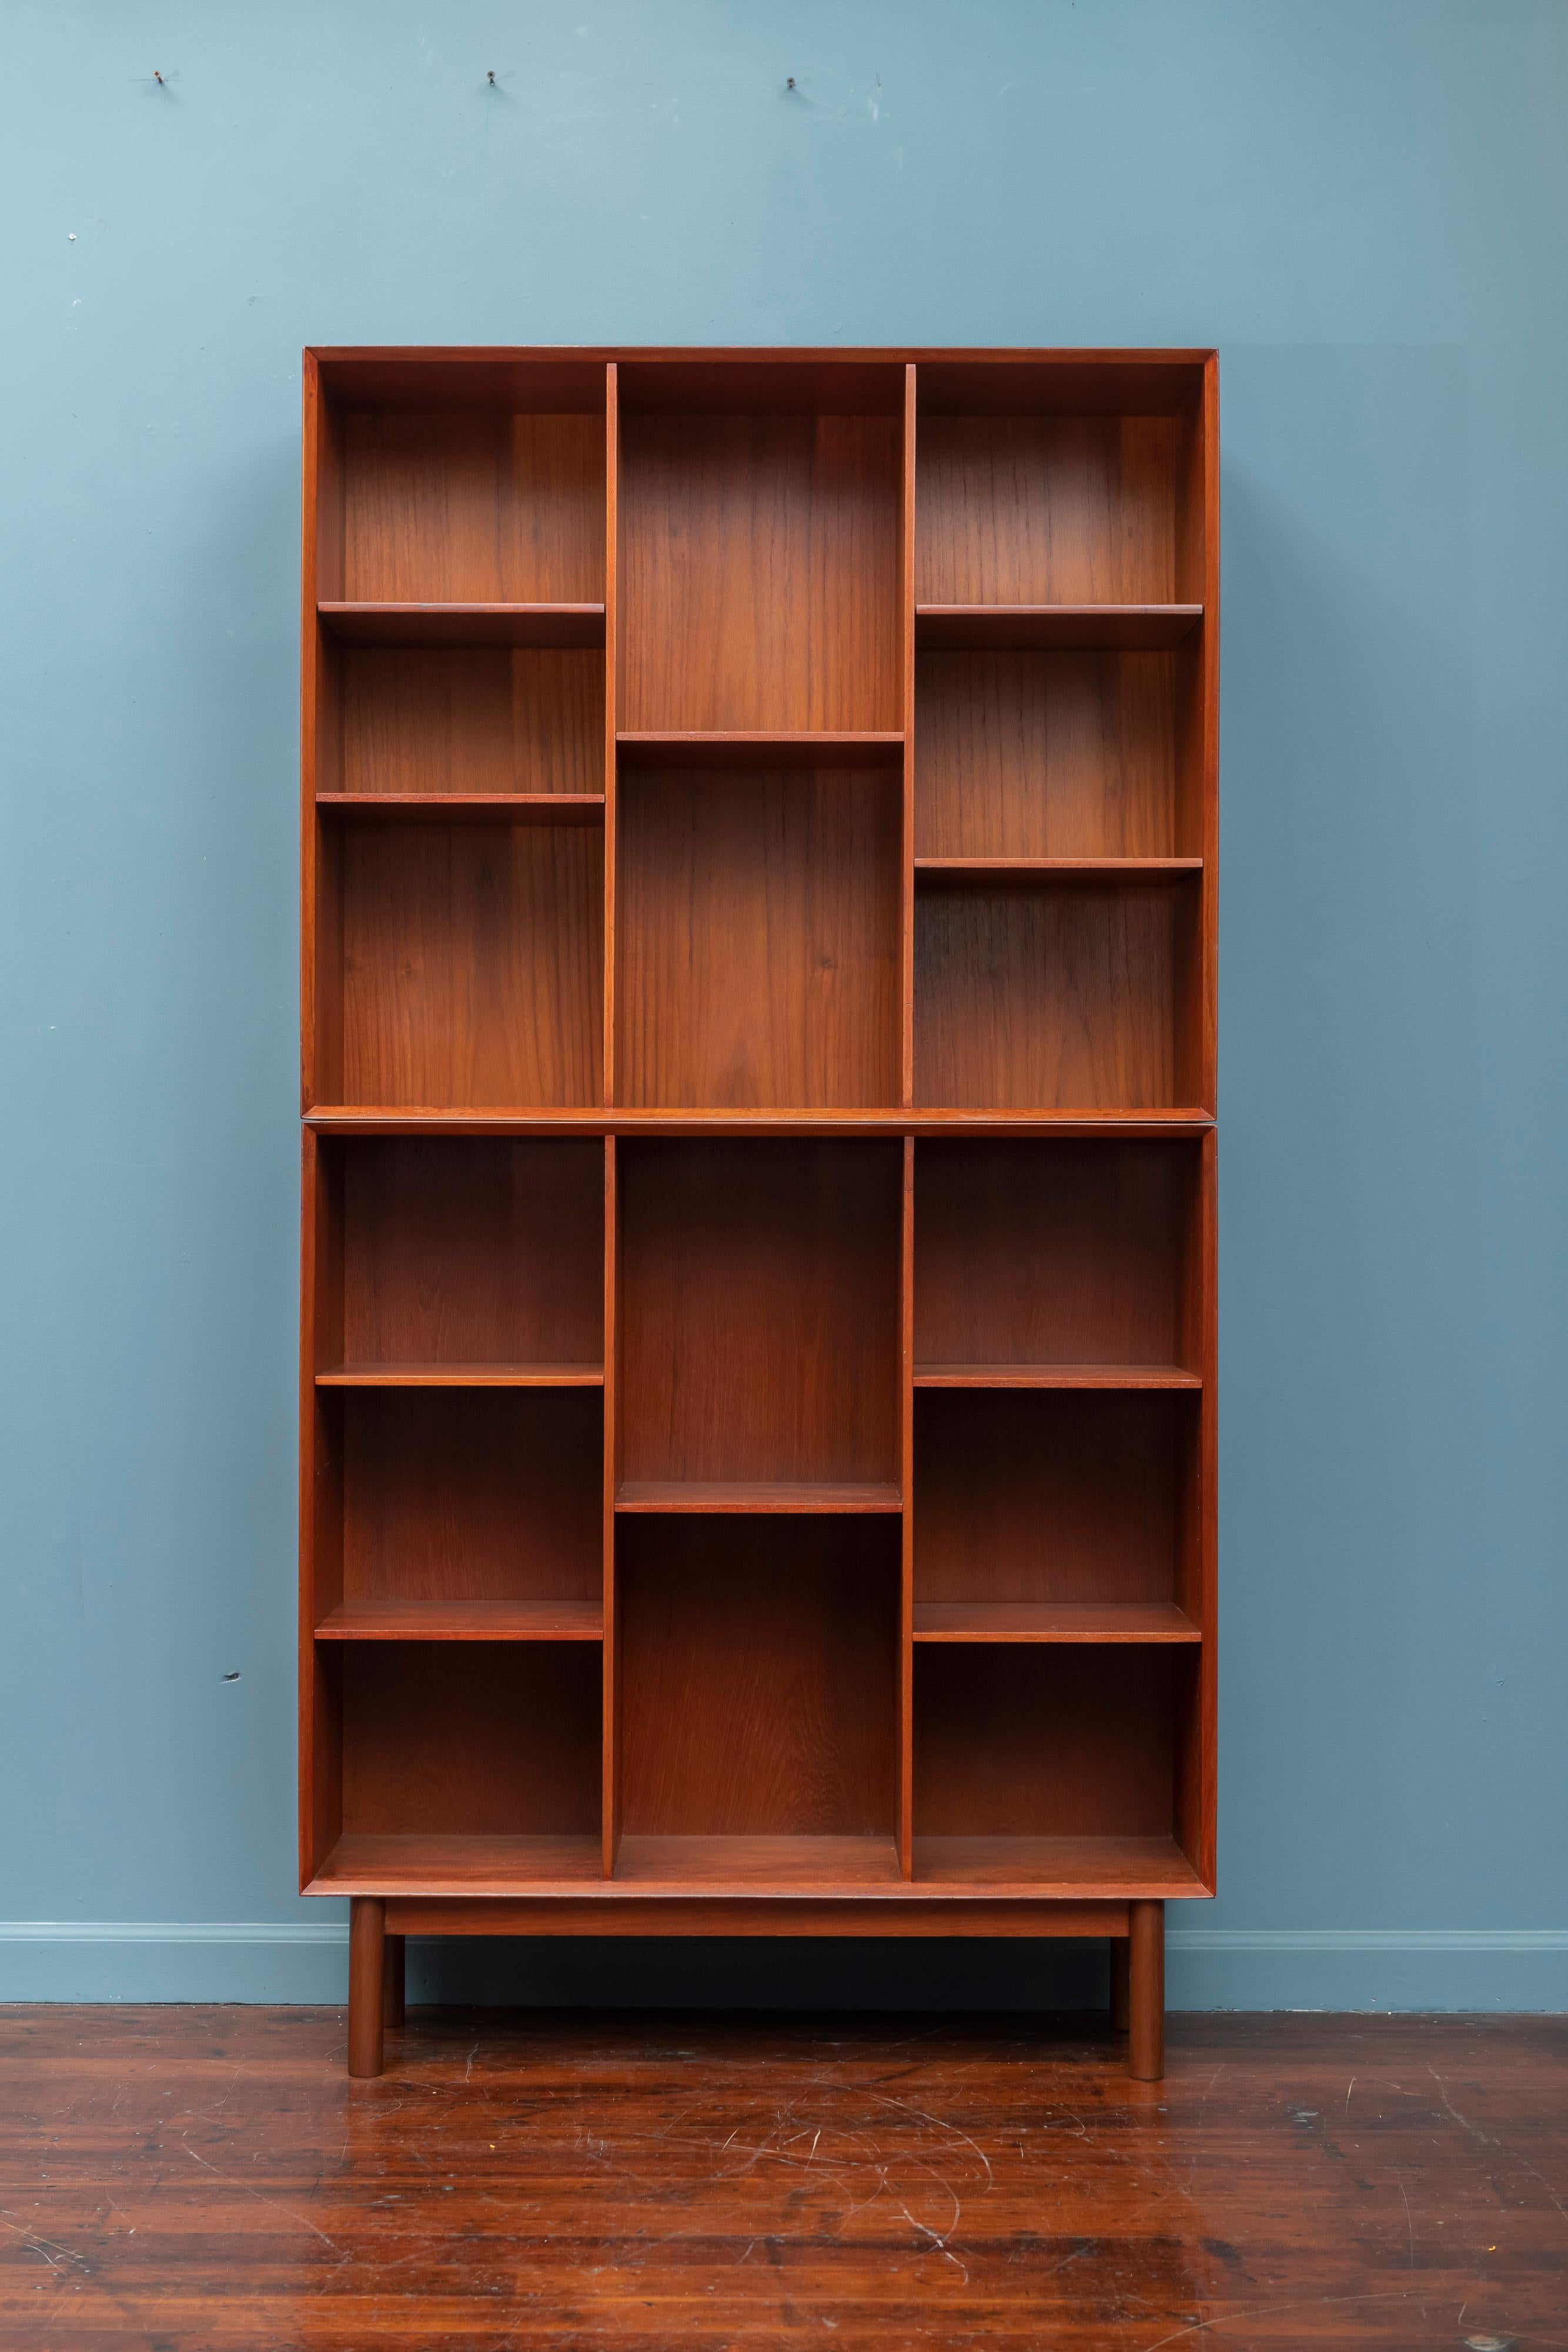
[
  {"x": 453, "y": 625},
  {"x": 754, "y": 1495},
  {"x": 463, "y": 1376},
  {"x": 473, "y": 1620},
  {"x": 758, "y": 1381},
  {"x": 1000, "y": 628},
  {"x": 464, "y": 808},
  {"x": 1046, "y": 1621}
]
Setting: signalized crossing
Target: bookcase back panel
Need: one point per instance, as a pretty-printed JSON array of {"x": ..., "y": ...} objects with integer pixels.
[
  {"x": 1036, "y": 1742},
  {"x": 1053, "y": 1253},
  {"x": 1049, "y": 1495},
  {"x": 759, "y": 1665},
  {"x": 472, "y": 506},
  {"x": 469, "y": 1250},
  {"x": 472, "y": 1495},
  {"x": 1061, "y": 997},
  {"x": 759, "y": 579},
  {"x": 448, "y": 720},
  {"x": 1048, "y": 509},
  {"x": 757, "y": 937},
  {"x": 1072, "y": 755},
  {"x": 758, "y": 1315},
  {"x": 472, "y": 1739},
  {"x": 472, "y": 964}
]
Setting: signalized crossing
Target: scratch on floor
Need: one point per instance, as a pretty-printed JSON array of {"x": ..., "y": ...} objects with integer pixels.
[{"x": 229, "y": 2182}]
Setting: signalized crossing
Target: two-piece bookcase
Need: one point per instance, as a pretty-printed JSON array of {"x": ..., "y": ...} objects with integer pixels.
[{"x": 757, "y": 1402}]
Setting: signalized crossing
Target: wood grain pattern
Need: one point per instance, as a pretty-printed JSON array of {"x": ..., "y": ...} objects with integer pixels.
[
  {"x": 473, "y": 1739},
  {"x": 488, "y": 1494},
  {"x": 1372, "y": 2184},
  {"x": 758, "y": 938},
  {"x": 1050, "y": 755},
  {"x": 790, "y": 1906},
  {"x": 767, "y": 1495},
  {"x": 1048, "y": 509},
  {"x": 1148, "y": 1867},
  {"x": 474, "y": 507},
  {"x": 1052, "y": 1620},
  {"x": 1029, "y": 1740},
  {"x": 760, "y": 1311},
  {"x": 1073, "y": 996},
  {"x": 761, "y": 1680},
  {"x": 483, "y": 722},
  {"x": 463, "y": 1621},
  {"x": 472, "y": 964},
  {"x": 411, "y": 1863},
  {"x": 1059, "y": 1257},
  {"x": 1051, "y": 1496},
  {"x": 465, "y": 1254},
  {"x": 759, "y": 579}
]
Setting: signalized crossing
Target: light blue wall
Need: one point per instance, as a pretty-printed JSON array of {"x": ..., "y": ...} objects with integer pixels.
[{"x": 1364, "y": 205}]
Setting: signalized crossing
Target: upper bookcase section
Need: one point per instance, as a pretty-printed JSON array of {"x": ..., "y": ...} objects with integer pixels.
[{"x": 461, "y": 484}]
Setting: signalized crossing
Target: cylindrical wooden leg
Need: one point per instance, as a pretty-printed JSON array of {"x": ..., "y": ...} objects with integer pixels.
[
  {"x": 1119, "y": 1945},
  {"x": 1147, "y": 1991},
  {"x": 367, "y": 1960},
  {"x": 392, "y": 1982}
]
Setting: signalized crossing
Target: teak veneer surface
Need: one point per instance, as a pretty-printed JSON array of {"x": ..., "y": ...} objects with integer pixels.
[
  {"x": 759, "y": 1311},
  {"x": 760, "y": 583},
  {"x": 472, "y": 721},
  {"x": 472, "y": 964},
  {"x": 1049, "y": 1495},
  {"x": 757, "y": 936},
  {"x": 449, "y": 507}
]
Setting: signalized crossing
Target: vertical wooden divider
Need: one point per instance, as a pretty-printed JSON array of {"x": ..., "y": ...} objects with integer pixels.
[
  {"x": 906, "y": 1488},
  {"x": 906, "y": 1096},
  {"x": 906, "y": 894},
  {"x": 610, "y": 1702},
  {"x": 309, "y": 1761},
  {"x": 611, "y": 664}
]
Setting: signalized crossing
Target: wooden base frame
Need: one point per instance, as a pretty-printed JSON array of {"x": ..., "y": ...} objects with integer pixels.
[
  {"x": 757, "y": 1402},
  {"x": 378, "y": 1930}
]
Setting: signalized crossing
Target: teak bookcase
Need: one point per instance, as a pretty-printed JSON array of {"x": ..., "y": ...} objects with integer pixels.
[{"x": 758, "y": 1400}]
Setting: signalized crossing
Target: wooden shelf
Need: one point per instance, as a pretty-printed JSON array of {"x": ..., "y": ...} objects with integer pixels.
[
  {"x": 957, "y": 870},
  {"x": 463, "y": 1376},
  {"x": 1052, "y": 1620},
  {"x": 1148, "y": 1867},
  {"x": 1007, "y": 627},
  {"x": 470, "y": 1620},
  {"x": 754, "y": 1495},
  {"x": 756, "y": 1865},
  {"x": 374, "y": 623},
  {"x": 465, "y": 808},
  {"x": 1055, "y": 1376},
  {"x": 761, "y": 748},
  {"x": 546, "y": 1118},
  {"x": 449, "y": 1863}
]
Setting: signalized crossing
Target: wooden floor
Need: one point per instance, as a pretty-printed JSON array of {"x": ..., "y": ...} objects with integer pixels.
[{"x": 207, "y": 2178}]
